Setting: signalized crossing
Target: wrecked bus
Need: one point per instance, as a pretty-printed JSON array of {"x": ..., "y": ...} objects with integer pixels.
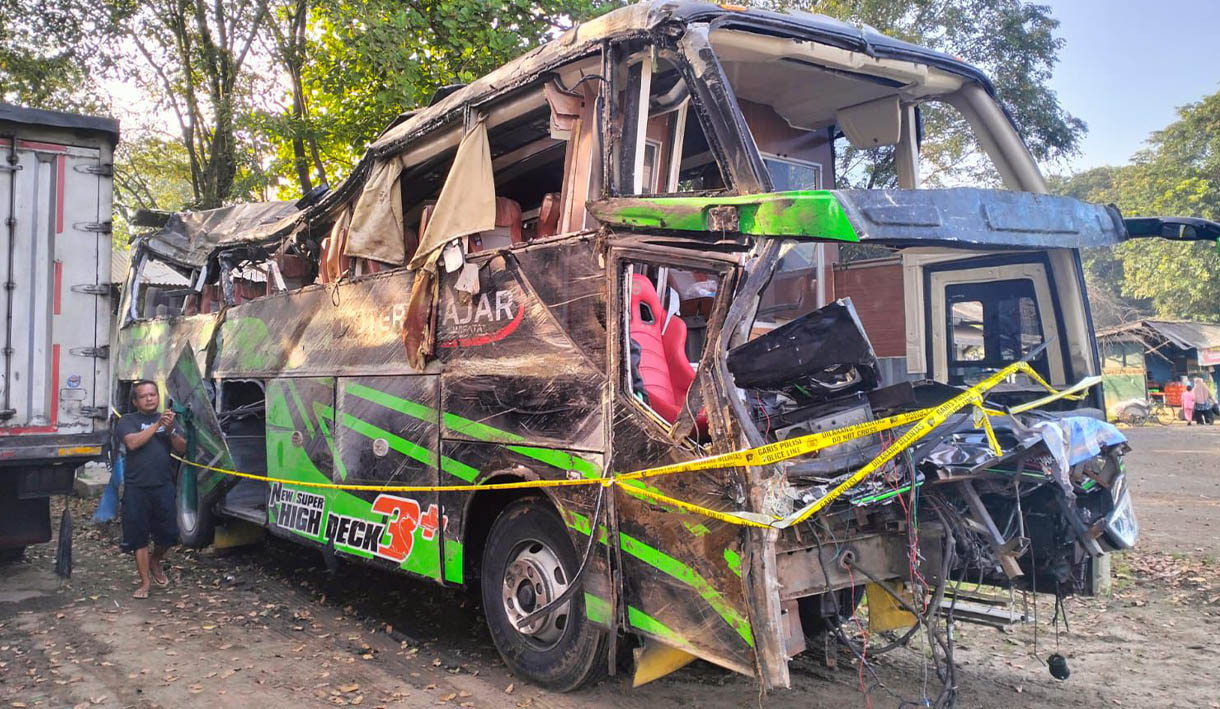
[{"x": 619, "y": 252}]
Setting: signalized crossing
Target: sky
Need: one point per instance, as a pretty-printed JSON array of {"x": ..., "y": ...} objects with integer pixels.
[{"x": 1128, "y": 65}]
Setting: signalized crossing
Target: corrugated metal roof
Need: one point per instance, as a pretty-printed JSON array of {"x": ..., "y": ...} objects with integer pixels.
[{"x": 1181, "y": 333}]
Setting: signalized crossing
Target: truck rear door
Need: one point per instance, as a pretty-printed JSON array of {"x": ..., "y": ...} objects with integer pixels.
[{"x": 55, "y": 259}]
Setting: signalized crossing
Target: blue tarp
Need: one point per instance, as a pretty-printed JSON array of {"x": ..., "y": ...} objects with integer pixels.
[{"x": 108, "y": 508}]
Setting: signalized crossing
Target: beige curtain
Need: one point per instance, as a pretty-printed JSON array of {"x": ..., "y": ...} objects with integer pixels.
[
  {"x": 376, "y": 228},
  {"x": 467, "y": 204}
]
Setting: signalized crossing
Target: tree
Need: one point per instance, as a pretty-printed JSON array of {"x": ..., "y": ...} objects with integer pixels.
[
  {"x": 290, "y": 47},
  {"x": 48, "y": 50},
  {"x": 193, "y": 56},
  {"x": 1012, "y": 41},
  {"x": 151, "y": 172},
  {"x": 374, "y": 59},
  {"x": 1178, "y": 173},
  {"x": 1103, "y": 269}
]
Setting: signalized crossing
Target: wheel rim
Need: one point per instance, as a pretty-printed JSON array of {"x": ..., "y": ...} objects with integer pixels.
[{"x": 534, "y": 577}]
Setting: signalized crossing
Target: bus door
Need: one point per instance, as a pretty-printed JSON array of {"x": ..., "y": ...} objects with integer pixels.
[{"x": 986, "y": 314}]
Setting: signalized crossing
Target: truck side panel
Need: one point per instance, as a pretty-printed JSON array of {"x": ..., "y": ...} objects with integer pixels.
[
  {"x": 30, "y": 299},
  {"x": 60, "y": 252}
]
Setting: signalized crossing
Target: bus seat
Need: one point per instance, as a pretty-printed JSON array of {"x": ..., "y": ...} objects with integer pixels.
[
  {"x": 666, "y": 372},
  {"x": 410, "y": 244},
  {"x": 291, "y": 266},
  {"x": 424, "y": 216},
  {"x": 324, "y": 261},
  {"x": 548, "y": 215},
  {"x": 209, "y": 300},
  {"x": 246, "y": 290},
  {"x": 508, "y": 229}
]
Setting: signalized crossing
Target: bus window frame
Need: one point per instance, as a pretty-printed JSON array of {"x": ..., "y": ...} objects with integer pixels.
[{"x": 618, "y": 351}]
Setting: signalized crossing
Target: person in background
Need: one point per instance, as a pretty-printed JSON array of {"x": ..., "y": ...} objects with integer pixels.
[
  {"x": 1204, "y": 401},
  {"x": 148, "y": 488},
  {"x": 1188, "y": 403}
]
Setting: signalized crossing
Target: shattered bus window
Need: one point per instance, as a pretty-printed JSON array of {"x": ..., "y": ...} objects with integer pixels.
[
  {"x": 665, "y": 148},
  {"x": 966, "y": 331},
  {"x": 796, "y": 288}
]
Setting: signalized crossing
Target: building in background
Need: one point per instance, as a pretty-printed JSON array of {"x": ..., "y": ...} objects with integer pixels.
[{"x": 1151, "y": 358}]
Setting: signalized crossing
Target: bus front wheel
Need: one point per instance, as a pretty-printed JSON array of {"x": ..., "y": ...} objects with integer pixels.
[{"x": 528, "y": 562}]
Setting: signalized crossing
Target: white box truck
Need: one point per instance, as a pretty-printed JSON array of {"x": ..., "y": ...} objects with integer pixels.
[{"x": 55, "y": 221}]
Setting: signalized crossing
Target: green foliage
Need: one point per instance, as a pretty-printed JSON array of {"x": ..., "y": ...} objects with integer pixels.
[
  {"x": 371, "y": 60},
  {"x": 271, "y": 96},
  {"x": 190, "y": 56},
  {"x": 150, "y": 173},
  {"x": 1177, "y": 174},
  {"x": 1012, "y": 41},
  {"x": 1179, "y": 279},
  {"x": 47, "y": 51}
]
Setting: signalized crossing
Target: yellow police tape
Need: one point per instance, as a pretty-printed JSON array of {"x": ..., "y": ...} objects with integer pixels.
[{"x": 925, "y": 420}]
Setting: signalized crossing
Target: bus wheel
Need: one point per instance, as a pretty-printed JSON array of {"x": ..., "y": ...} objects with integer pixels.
[
  {"x": 528, "y": 562},
  {"x": 196, "y": 525}
]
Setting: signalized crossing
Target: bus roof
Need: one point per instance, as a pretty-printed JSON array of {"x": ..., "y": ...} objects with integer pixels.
[{"x": 645, "y": 18}]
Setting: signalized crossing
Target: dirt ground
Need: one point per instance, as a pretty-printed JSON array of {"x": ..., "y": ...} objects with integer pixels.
[{"x": 266, "y": 628}]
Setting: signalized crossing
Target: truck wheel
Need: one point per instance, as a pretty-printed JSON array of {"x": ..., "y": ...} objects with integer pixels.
[
  {"x": 196, "y": 525},
  {"x": 529, "y": 561},
  {"x": 12, "y": 554}
]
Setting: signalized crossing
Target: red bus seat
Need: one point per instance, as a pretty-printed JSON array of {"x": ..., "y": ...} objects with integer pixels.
[
  {"x": 548, "y": 215},
  {"x": 508, "y": 229},
  {"x": 666, "y": 372}
]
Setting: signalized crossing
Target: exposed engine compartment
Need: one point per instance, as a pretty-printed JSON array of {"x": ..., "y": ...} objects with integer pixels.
[{"x": 1030, "y": 510}]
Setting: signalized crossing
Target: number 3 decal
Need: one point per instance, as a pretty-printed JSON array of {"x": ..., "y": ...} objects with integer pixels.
[{"x": 402, "y": 517}]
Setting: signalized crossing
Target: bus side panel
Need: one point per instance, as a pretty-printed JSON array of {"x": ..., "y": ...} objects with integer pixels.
[
  {"x": 305, "y": 437},
  {"x": 563, "y": 411},
  {"x": 681, "y": 571},
  {"x": 349, "y": 329},
  {"x": 569, "y": 279},
  {"x": 300, "y": 446},
  {"x": 388, "y": 433},
  {"x": 576, "y": 505},
  {"x": 148, "y": 349}
]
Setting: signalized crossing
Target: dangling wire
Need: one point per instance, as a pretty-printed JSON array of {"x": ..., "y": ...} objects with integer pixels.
[{"x": 594, "y": 523}]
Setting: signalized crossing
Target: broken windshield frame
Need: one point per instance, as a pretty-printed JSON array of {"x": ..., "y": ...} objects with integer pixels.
[
  {"x": 869, "y": 101},
  {"x": 873, "y": 102}
]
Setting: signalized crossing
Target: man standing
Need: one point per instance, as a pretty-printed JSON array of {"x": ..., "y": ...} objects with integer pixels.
[{"x": 148, "y": 499}]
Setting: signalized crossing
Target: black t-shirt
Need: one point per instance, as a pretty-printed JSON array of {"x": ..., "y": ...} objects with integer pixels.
[{"x": 148, "y": 465}]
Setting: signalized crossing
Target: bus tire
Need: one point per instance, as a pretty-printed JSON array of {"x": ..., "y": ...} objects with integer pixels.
[
  {"x": 12, "y": 554},
  {"x": 527, "y": 561},
  {"x": 196, "y": 523}
]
